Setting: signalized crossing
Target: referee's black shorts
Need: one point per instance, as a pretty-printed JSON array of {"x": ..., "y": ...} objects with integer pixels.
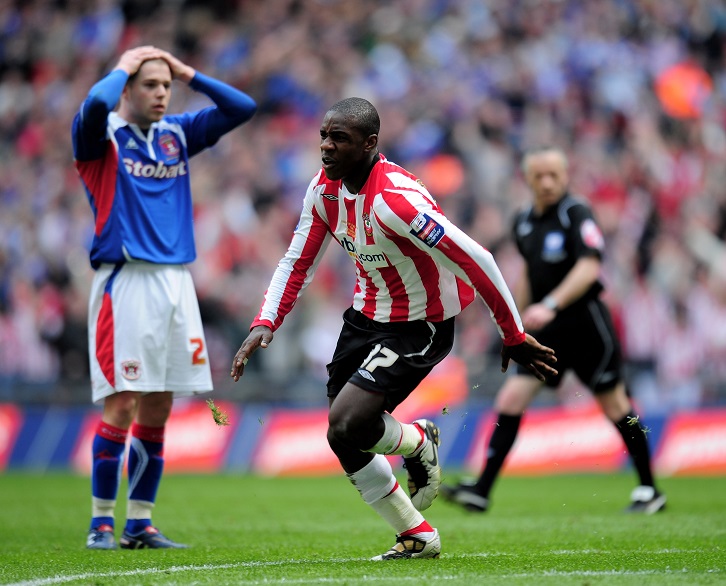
[
  {"x": 388, "y": 358},
  {"x": 584, "y": 341}
]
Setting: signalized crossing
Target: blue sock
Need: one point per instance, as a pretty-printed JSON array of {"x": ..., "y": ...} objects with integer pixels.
[
  {"x": 136, "y": 526},
  {"x": 146, "y": 464},
  {"x": 108, "y": 454},
  {"x": 98, "y": 521}
]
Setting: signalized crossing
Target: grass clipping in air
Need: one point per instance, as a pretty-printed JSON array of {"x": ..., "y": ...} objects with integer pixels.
[{"x": 220, "y": 417}]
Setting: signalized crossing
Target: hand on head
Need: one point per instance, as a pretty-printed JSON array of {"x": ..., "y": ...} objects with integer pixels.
[
  {"x": 132, "y": 59},
  {"x": 179, "y": 70}
]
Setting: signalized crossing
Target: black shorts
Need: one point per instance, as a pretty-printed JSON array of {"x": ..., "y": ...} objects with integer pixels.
[
  {"x": 388, "y": 358},
  {"x": 584, "y": 341}
]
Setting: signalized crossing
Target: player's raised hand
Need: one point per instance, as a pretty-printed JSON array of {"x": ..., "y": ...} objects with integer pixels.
[
  {"x": 179, "y": 70},
  {"x": 259, "y": 337},
  {"x": 131, "y": 60},
  {"x": 535, "y": 357}
]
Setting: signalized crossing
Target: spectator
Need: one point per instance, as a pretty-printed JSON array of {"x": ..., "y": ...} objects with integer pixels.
[{"x": 481, "y": 79}]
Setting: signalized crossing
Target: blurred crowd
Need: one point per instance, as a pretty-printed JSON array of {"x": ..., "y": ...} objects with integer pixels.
[{"x": 633, "y": 90}]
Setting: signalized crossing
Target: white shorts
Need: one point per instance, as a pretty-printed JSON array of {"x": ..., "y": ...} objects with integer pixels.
[{"x": 145, "y": 331}]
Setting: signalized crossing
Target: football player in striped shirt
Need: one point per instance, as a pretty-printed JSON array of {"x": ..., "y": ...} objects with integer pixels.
[{"x": 415, "y": 272}]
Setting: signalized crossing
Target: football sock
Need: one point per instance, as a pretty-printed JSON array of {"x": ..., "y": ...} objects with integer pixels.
[
  {"x": 423, "y": 531},
  {"x": 108, "y": 448},
  {"x": 100, "y": 521},
  {"x": 636, "y": 442},
  {"x": 146, "y": 464},
  {"x": 398, "y": 511},
  {"x": 500, "y": 443},
  {"x": 398, "y": 438},
  {"x": 138, "y": 516},
  {"x": 379, "y": 488}
]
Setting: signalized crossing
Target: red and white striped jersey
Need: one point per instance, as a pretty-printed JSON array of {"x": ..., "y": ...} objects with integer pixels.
[{"x": 411, "y": 262}]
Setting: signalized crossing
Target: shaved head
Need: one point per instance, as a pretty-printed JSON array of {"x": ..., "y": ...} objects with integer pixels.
[
  {"x": 360, "y": 113},
  {"x": 545, "y": 171}
]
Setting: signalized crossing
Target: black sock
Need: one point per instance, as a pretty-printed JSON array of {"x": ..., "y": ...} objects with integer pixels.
[
  {"x": 636, "y": 442},
  {"x": 501, "y": 441}
]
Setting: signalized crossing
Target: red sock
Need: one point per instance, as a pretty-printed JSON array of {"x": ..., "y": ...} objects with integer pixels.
[
  {"x": 422, "y": 528},
  {"x": 423, "y": 435}
]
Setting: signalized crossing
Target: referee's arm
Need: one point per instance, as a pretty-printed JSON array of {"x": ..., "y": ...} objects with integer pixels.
[
  {"x": 577, "y": 282},
  {"x": 521, "y": 289}
]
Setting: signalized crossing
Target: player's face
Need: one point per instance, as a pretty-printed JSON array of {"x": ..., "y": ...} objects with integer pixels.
[
  {"x": 146, "y": 97},
  {"x": 546, "y": 175},
  {"x": 345, "y": 151}
]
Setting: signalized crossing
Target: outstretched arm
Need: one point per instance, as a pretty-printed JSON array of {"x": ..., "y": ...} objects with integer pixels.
[
  {"x": 294, "y": 272},
  {"x": 436, "y": 235}
]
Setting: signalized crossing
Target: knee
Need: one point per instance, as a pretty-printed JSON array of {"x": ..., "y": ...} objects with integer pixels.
[
  {"x": 343, "y": 430},
  {"x": 119, "y": 410},
  {"x": 615, "y": 403},
  {"x": 339, "y": 429},
  {"x": 516, "y": 394},
  {"x": 154, "y": 409}
]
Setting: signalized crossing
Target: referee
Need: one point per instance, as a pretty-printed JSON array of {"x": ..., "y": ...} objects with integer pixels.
[{"x": 562, "y": 247}]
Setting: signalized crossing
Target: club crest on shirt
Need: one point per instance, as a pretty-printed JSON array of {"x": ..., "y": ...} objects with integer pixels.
[
  {"x": 131, "y": 369},
  {"x": 553, "y": 247},
  {"x": 591, "y": 234},
  {"x": 169, "y": 146},
  {"x": 426, "y": 229},
  {"x": 367, "y": 226},
  {"x": 524, "y": 229}
]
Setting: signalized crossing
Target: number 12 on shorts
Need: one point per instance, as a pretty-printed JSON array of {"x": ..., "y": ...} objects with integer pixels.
[{"x": 379, "y": 356}]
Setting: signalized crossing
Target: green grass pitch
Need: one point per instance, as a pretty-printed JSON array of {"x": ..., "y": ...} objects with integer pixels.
[{"x": 247, "y": 530}]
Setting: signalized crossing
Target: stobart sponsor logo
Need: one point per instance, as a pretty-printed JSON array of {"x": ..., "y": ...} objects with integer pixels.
[
  {"x": 158, "y": 171},
  {"x": 368, "y": 256}
]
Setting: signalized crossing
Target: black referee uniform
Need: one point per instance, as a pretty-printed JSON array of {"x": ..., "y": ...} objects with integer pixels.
[
  {"x": 554, "y": 238},
  {"x": 582, "y": 334}
]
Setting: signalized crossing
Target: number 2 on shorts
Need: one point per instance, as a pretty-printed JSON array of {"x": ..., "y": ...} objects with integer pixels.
[
  {"x": 387, "y": 358},
  {"x": 197, "y": 357}
]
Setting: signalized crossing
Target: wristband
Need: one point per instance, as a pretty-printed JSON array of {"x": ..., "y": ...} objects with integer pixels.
[{"x": 549, "y": 302}]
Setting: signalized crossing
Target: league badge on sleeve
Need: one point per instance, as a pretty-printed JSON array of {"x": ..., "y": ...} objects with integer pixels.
[
  {"x": 591, "y": 235},
  {"x": 426, "y": 229}
]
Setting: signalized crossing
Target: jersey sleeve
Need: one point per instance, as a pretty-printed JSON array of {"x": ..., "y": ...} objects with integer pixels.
[
  {"x": 297, "y": 268},
  {"x": 415, "y": 217},
  {"x": 89, "y": 124},
  {"x": 232, "y": 107},
  {"x": 586, "y": 235}
]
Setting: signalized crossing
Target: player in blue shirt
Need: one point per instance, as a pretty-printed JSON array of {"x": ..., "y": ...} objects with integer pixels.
[{"x": 146, "y": 341}]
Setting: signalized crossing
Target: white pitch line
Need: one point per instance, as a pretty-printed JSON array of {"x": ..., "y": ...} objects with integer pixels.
[{"x": 201, "y": 567}]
